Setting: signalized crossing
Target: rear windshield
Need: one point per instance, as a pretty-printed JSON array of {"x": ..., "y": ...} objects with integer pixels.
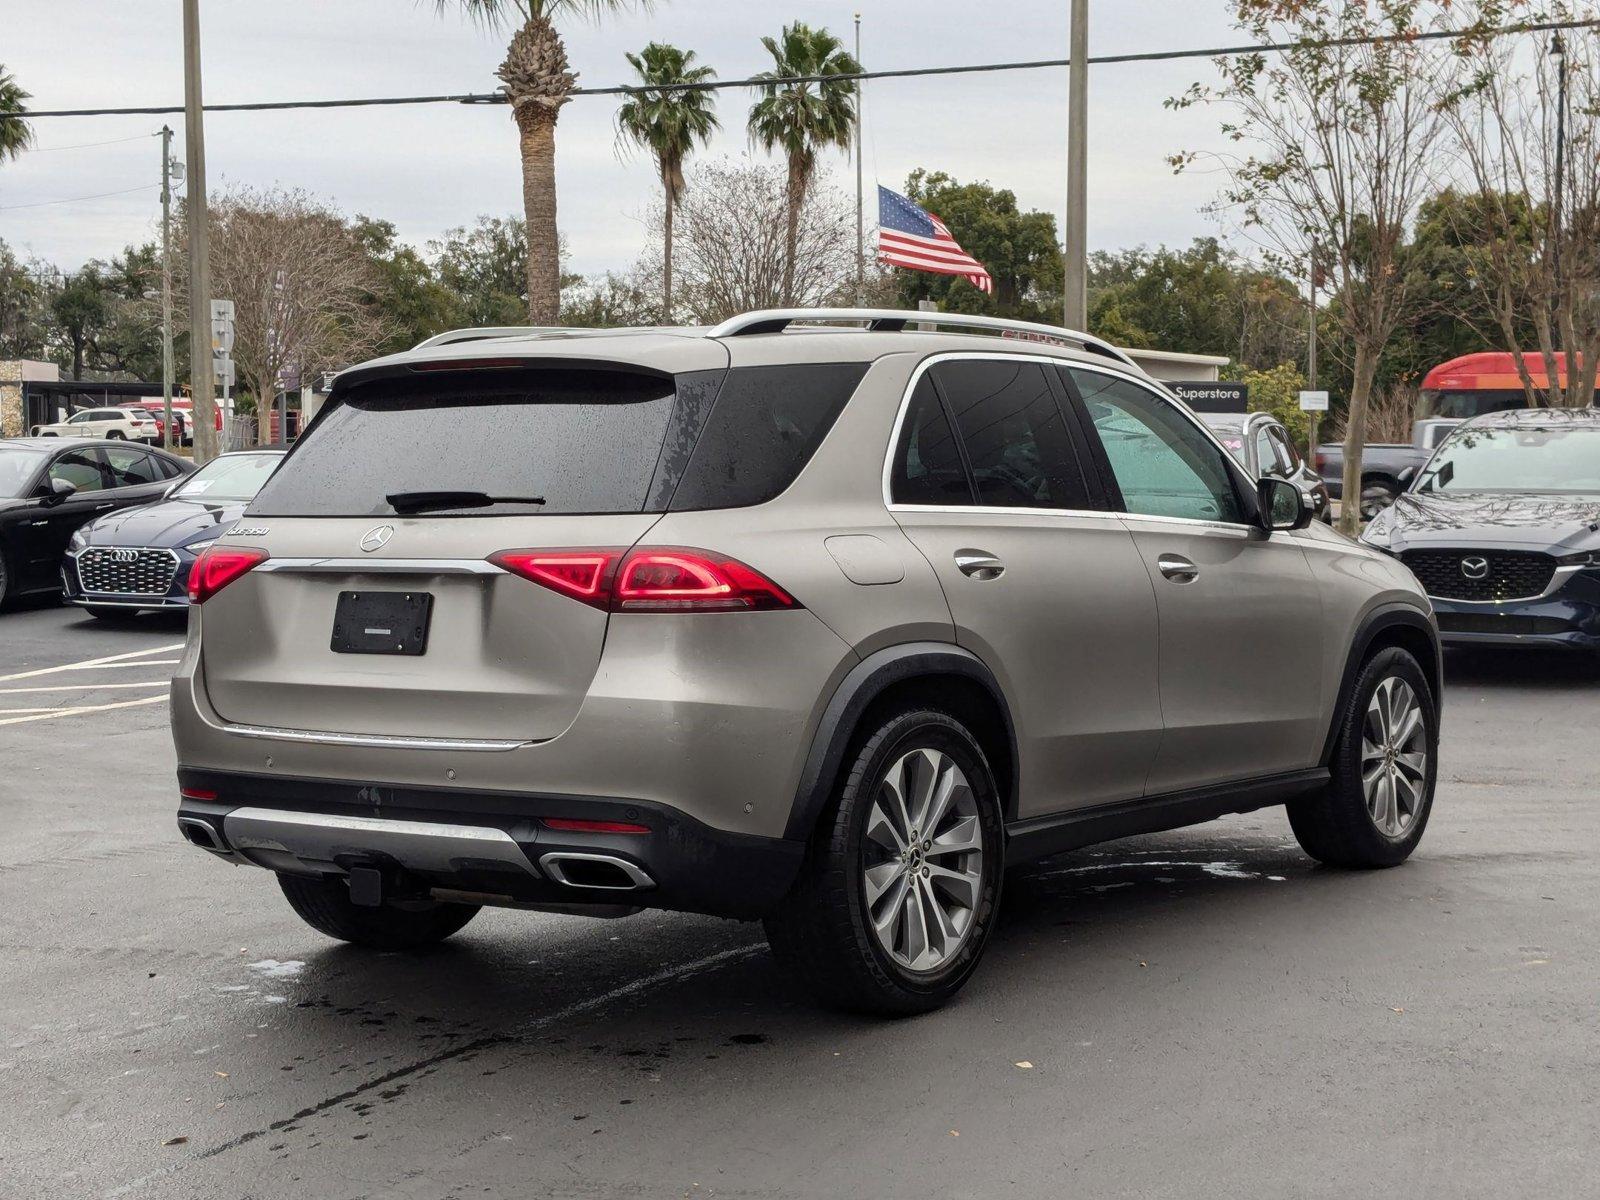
[{"x": 582, "y": 440}]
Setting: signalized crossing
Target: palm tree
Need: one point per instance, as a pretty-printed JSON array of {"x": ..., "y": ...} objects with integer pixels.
[
  {"x": 668, "y": 123},
  {"x": 802, "y": 118},
  {"x": 538, "y": 81},
  {"x": 16, "y": 135}
]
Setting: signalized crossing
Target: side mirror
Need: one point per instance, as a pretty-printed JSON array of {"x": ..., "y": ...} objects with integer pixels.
[
  {"x": 60, "y": 489},
  {"x": 1406, "y": 476},
  {"x": 1282, "y": 505}
]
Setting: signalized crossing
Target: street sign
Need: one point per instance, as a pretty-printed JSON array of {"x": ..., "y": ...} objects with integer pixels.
[
  {"x": 222, "y": 368},
  {"x": 1314, "y": 401},
  {"x": 1209, "y": 396},
  {"x": 222, "y": 331}
]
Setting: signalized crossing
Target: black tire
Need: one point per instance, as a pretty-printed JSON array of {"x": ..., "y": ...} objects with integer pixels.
[
  {"x": 5, "y": 579},
  {"x": 1377, "y": 495},
  {"x": 1335, "y": 826},
  {"x": 324, "y": 904},
  {"x": 115, "y": 435},
  {"x": 820, "y": 933}
]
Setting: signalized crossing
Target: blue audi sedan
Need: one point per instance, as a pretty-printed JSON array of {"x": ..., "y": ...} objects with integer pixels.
[{"x": 138, "y": 559}]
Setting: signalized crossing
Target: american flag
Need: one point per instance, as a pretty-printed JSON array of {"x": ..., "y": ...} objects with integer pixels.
[{"x": 914, "y": 238}]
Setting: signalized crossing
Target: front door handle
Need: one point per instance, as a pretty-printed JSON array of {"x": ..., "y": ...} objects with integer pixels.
[
  {"x": 1177, "y": 568},
  {"x": 979, "y": 564}
]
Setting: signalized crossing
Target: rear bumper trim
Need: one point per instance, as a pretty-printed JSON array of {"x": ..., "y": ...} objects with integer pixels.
[
  {"x": 265, "y": 835},
  {"x": 379, "y": 741}
]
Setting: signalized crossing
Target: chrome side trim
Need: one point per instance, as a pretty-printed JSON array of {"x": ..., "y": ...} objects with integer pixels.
[
  {"x": 377, "y": 741},
  {"x": 551, "y": 865},
  {"x": 263, "y": 835},
  {"x": 1558, "y": 580},
  {"x": 381, "y": 566}
]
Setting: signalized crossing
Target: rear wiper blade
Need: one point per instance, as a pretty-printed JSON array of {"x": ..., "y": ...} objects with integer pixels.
[{"x": 410, "y": 503}]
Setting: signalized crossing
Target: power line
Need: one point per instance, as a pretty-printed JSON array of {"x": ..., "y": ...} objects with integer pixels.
[
  {"x": 138, "y": 137},
  {"x": 74, "y": 199},
  {"x": 860, "y": 76}
]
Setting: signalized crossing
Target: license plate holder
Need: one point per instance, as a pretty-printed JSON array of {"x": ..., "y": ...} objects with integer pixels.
[{"x": 381, "y": 623}]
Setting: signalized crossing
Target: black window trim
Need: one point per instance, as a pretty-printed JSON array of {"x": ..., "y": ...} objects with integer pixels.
[
  {"x": 1080, "y": 443},
  {"x": 1244, "y": 488}
]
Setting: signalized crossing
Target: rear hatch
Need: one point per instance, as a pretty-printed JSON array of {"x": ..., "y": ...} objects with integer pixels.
[{"x": 370, "y": 618}]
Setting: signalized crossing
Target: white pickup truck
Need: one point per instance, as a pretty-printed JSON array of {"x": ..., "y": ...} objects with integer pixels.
[{"x": 131, "y": 424}]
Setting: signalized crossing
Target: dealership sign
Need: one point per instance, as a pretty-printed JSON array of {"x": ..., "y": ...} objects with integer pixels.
[{"x": 1209, "y": 396}]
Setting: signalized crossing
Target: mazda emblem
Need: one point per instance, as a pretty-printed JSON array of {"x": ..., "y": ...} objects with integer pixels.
[
  {"x": 1475, "y": 568},
  {"x": 376, "y": 538}
]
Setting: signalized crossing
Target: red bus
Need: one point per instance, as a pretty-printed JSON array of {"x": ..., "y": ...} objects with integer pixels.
[{"x": 1481, "y": 383}]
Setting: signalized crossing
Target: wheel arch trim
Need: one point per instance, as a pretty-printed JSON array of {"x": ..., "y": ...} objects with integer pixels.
[
  {"x": 1373, "y": 625},
  {"x": 865, "y": 682}
]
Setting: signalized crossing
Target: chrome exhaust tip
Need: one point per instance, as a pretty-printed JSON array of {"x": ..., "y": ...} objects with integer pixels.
[
  {"x": 202, "y": 834},
  {"x": 599, "y": 872}
]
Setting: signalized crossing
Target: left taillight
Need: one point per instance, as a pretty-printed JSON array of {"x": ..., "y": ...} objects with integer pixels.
[
  {"x": 649, "y": 579},
  {"x": 217, "y": 567}
]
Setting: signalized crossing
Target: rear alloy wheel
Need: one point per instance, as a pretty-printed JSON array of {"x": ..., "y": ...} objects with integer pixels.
[
  {"x": 1376, "y": 805},
  {"x": 325, "y": 905},
  {"x": 115, "y": 435},
  {"x": 901, "y": 882},
  {"x": 1376, "y": 495}
]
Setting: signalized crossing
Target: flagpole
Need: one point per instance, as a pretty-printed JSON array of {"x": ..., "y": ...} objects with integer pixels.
[
  {"x": 1075, "y": 278},
  {"x": 861, "y": 243}
]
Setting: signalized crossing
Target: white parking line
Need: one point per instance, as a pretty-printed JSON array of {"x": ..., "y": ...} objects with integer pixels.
[
  {"x": 38, "y": 715},
  {"x": 109, "y": 660},
  {"x": 87, "y": 687}
]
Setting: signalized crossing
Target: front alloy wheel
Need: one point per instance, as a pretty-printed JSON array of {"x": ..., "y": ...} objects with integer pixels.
[{"x": 1394, "y": 757}]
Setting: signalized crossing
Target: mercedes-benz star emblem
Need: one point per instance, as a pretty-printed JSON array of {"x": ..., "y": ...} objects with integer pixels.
[
  {"x": 376, "y": 538},
  {"x": 1475, "y": 567}
]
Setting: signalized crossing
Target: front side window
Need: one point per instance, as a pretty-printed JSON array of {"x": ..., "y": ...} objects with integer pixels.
[
  {"x": 80, "y": 468},
  {"x": 1163, "y": 465},
  {"x": 83, "y": 418},
  {"x": 1288, "y": 459}
]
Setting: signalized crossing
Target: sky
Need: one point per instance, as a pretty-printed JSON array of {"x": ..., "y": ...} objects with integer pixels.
[{"x": 429, "y": 169}]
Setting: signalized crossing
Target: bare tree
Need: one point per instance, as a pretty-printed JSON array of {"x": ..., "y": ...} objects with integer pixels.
[
  {"x": 731, "y": 249},
  {"x": 1338, "y": 146},
  {"x": 1527, "y": 142},
  {"x": 302, "y": 286}
]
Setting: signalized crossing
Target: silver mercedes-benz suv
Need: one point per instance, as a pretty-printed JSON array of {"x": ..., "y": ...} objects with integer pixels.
[{"x": 818, "y": 617}]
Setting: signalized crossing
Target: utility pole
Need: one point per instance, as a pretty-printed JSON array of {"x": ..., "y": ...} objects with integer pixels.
[
  {"x": 166, "y": 285},
  {"x": 1311, "y": 351},
  {"x": 1558, "y": 52},
  {"x": 861, "y": 238},
  {"x": 202, "y": 381},
  {"x": 1075, "y": 276}
]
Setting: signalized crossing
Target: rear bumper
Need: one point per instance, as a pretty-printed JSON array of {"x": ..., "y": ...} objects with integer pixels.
[
  {"x": 492, "y": 845},
  {"x": 1568, "y": 618}
]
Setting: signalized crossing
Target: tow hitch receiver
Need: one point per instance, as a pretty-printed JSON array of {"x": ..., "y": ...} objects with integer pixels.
[{"x": 366, "y": 887}]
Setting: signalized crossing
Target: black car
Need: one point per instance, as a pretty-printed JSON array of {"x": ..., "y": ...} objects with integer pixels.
[
  {"x": 50, "y": 486},
  {"x": 1261, "y": 443},
  {"x": 1502, "y": 527},
  {"x": 139, "y": 558}
]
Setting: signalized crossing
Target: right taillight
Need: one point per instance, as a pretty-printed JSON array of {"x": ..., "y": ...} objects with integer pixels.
[
  {"x": 217, "y": 567},
  {"x": 649, "y": 579}
]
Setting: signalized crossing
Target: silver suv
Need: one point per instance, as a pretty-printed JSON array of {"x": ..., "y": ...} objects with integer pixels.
[{"x": 817, "y": 617}]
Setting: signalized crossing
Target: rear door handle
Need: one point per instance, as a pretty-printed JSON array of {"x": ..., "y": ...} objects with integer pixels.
[
  {"x": 979, "y": 564},
  {"x": 1177, "y": 568}
]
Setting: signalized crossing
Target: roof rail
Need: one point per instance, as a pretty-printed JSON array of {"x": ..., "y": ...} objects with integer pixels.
[
  {"x": 894, "y": 320},
  {"x": 483, "y": 333}
]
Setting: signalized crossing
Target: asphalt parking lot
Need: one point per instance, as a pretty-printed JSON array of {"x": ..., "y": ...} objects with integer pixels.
[{"x": 1202, "y": 1013}]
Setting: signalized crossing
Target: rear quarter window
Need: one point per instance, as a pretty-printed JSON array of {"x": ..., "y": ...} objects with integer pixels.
[{"x": 766, "y": 424}]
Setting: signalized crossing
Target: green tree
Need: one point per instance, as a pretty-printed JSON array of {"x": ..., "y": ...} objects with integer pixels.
[
  {"x": 411, "y": 302},
  {"x": 16, "y": 135},
  {"x": 668, "y": 123},
  {"x": 802, "y": 118},
  {"x": 538, "y": 80},
  {"x": 21, "y": 309},
  {"x": 1277, "y": 391},
  {"x": 485, "y": 267},
  {"x": 1019, "y": 250}
]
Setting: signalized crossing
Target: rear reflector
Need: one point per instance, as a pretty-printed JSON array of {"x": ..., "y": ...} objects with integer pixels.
[
  {"x": 217, "y": 567},
  {"x": 197, "y": 794},
  {"x": 649, "y": 579},
  {"x": 574, "y": 825}
]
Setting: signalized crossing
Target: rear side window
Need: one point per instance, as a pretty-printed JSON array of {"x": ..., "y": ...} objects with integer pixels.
[
  {"x": 130, "y": 467},
  {"x": 586, "y": 440},
  {"x": 766, "y": 424},
  {"x": 927, "y": 463}
]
